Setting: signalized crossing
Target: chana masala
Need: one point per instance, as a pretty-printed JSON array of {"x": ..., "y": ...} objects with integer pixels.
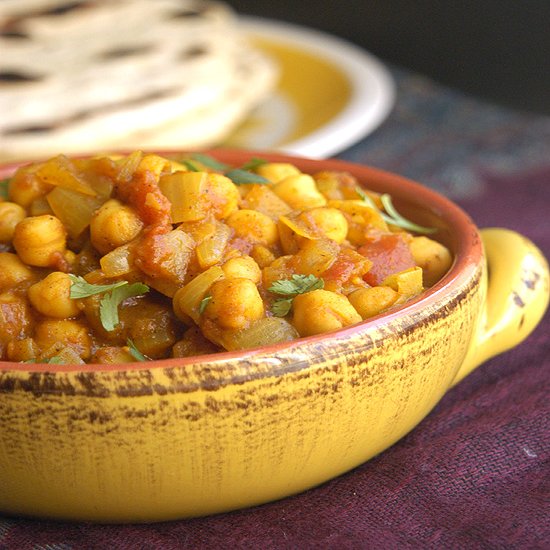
[{"x": 116, "y": 259}]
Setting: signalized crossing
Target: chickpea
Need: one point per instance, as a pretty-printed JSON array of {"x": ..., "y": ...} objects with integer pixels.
[
  {"x": 235, "y": 304},
  {"x": 242, "y": 267},
  {"x": 276, "y": 171},
  {"x": 434, "y": 258},
  {"x": 112, "y": 354},
  {"x": 15, "y": 318},
  {"x": 222, "y": 196},
  {"x": 299, "y": 192},
  {"x": 262, "y": 255},
  {"x": 371, "y": 301},
  {"x": 25, "y": 186},
  {"x": 50, "y": 296},
  {"x": 114, "y": 224},
  {"x": 22, "y": 350},
  {"x": 12, "y": 271},
  {"x": 317, "y": 223},
  {"x": 253, "y": 226},
  {"x": 38, "y": 239},
  {"x": 329, "y": 222},
  {"x": 10, "y": 215},
  {"x": 155, "y": 164},
  {"x": 322, "y": 311},
  {"x": 64, "y": 333}
]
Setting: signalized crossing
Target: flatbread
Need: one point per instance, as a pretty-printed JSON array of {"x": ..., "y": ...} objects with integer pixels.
[{"x": 83, "y": 76}]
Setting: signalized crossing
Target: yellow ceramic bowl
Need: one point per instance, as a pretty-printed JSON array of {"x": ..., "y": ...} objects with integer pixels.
[{"x": 185, "y": 437}]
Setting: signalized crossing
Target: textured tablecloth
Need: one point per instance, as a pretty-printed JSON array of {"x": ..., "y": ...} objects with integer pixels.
[{"x": 475, "y": 473}]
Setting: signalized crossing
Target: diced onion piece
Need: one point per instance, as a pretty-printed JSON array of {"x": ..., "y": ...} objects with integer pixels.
[
  {"x": 293, "y": 230},
  {"x": 264, "y": 332},
  {"x": 298, "y": 226},
  {"x": 129, "y": 165},
  {"x": 73, "y": 208},
  {"x": 61, "y": 172},
  {"x": 185, "y": 191},
  {"x": 264, "y": 200},
  {"x": 407, "y": 283},
  {"x": 210, "y": 251},
  {"x": 117, "y": 262},
  {"x": 187, "y": 299},
  {"x": 65, "y": 356}
]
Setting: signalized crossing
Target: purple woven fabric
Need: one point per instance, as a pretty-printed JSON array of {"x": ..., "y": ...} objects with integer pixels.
[{"x": 475, "y": 473}]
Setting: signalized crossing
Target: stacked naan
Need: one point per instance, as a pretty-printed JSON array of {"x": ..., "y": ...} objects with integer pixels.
[{"x": 80, "y": 76}]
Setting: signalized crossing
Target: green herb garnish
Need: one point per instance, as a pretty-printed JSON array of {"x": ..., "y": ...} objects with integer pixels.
[
  {"x": 191, "y": 166},
  {"x": 253, "y": 163},
  {"x": 115, "y": 294},
  {"x": 297, "y": 284},
  {"x": 108, "y": 306},
  {"x": 204, "y": 303},
  {"x": 210, "y": 162},
  {"x": 4, "y": 188},
  {"x": 134, "y": 352},
  {"x": 239, "y": 176},
  {"x": 81, "y": 288},
  {"x": 391, "y": 215}
]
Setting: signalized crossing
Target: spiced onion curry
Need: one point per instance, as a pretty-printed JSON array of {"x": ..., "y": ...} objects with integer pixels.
[{"x": 116, "y": 259}]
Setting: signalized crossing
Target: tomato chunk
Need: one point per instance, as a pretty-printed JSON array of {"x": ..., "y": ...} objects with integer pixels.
[{"x": 389, "y": 254}]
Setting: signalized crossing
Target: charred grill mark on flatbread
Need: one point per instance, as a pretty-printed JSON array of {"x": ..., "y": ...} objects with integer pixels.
[
  {"x": 82, "y": 115},
  {"x": 13, "y": 33},
  {"x": 7, "y": 77},
  {"x": 193, "y": 52},
  {"x": 188, "y": 13},
  {"x": 127, "y": 51},
  {"x": 65, "y": 8}
]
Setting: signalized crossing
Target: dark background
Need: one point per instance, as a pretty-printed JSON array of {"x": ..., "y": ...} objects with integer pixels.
[{"x": 497, "y": 50}]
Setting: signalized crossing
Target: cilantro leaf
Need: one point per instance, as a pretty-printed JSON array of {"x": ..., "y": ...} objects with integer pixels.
[
  {"x": 114, "y": 295},
  {"x": 397, "y": 219},
  {"x": 281, "y": 307},
  {"x": 209, "y": 162},
  {"x": 4, "y": 188},
  {"x": 134, "y": 352},
  {"x": 239, "y": 176},
  {"x": 253, "y": 163},
  {"x": 80, "y": 288},
  {"x": 391, "y": 215},
  {"x": 191, "y": 166},
  {"x": 365, "y": 197},
  {"x": 297, "y": 284},
  {"x": 108, "y": 306}
]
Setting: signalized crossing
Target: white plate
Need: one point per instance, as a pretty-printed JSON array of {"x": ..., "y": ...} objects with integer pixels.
[{"x": 330, "y": 95}]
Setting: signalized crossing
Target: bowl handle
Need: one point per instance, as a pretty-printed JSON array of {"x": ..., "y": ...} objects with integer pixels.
[{"x": 517, "y": 296}]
